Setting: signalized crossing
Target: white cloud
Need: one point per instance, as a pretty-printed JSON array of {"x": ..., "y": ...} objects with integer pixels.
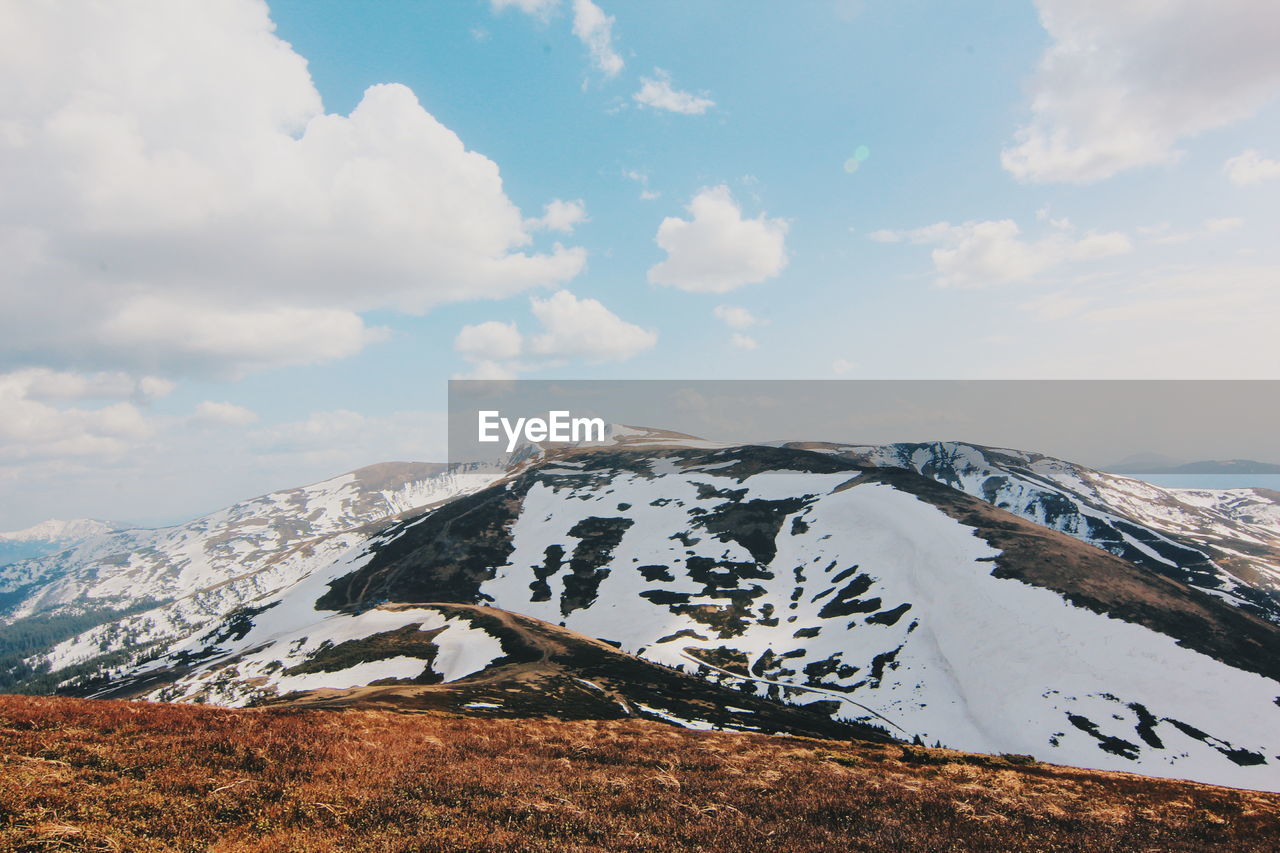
[
  {"x": 320, "y": 430},
  {"x": 642, "y": 179},
  {"x": 180, "y": 184},
  {"x": 717, "y": 250},
  {"x": 223, "y": 414},
  {"x": 656, "y": 92},
  {"x": 153, "y": 386},
  {"x": 41, "y": 383},
  {"x": 1162, "y": 235},
  {"x": 595, "y": 29},
  {"x": 584, "y": 328},
  {"x": 489, "y": 341},
  {"x": 842, "y": 367},
  {"x": 32, "y": 428},
  {"x": 43, "y": 419},
  {"x": 738, "y": 319},
  {"x": 537, "y": 8},
  {"x": 490, "y": 370},
  {"x": 340, "y": 439},
  {"x": 591, "y": 26},
  {"x": 1250, "y": 167},
  {"x": 180, "y": 334},
  {"x": 979, "y": 254},
  {"x": 1122, "y": 83},
  {"x": 571, "y": 328},
  {"x": 1226, "y": 223},
  {"x": 735, "y": 317},
  {"x": 559, "y": 215}
]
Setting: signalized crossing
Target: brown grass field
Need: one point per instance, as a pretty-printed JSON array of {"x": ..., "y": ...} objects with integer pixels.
[{"x": 106, "y": 775}]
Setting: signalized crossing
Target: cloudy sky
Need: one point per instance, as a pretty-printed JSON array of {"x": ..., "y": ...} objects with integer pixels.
[{"x": 246, "y": 244}]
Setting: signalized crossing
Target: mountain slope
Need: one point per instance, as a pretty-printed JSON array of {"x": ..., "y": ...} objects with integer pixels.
[
  {"x": 1225, "y": 542},
  {"x": 770, "y": 569},
  {"x": 47, "y": 537},
  {"x": 459, "y": 658},
  {"x": 182, "y": 577}
]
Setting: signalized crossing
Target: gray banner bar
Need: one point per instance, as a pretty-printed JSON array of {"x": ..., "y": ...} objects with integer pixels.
[{"x": 1096, "y": 423}]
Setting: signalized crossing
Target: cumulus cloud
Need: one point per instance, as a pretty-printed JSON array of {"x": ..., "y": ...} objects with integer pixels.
[
  {"x": 180, "y": 184},
  {"x": 584, "y": 328},
  {"x": 560, "y": 215},
  {"x": 979, "y": 254},
  {"x": 41, "y": 383},
  {"x": 717, "y": 250},
  {"x": 188, "y": 335},
  {"x": 656, "y": 92},
  {"x": 32, "y": 427},
  {"x": 93, "y": 419},
  {"x": 1121, "y": 84},
  {"x": 742, "y": 341},
  {"x": 1250, "y": 167},
  {"x": 595, "y": 29},
  {"x": 223, "y": 414},
  {"x": 571, "y": 328},
  {"x": 491, "y": 341},
  {"x": 735, "y": 317}
]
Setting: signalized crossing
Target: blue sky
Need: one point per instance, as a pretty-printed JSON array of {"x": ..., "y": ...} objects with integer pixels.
[{"x": 238, "y": 267}]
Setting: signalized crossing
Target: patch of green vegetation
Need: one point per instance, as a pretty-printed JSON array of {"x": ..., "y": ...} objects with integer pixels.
[
  {"x": 409, "y": 641},
  {"x": 34, "y": 635}
]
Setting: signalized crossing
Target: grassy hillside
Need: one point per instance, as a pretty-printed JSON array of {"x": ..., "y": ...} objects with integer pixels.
[{"x": 98, "y": 775}]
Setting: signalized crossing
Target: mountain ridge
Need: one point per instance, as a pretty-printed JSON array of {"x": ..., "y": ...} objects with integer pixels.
[
  {"x": 1043, "y": 612},
  {"x": 1206, "y": 466}
]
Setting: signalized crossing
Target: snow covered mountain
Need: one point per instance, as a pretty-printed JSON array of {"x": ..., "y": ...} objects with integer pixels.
[
  {"x": 47, "y": 537},
  {"x": 55, "y": 530},
  {"x": 169, "y": 582},
  {"x": 840, "y": 578},
  {"x": 1225, "y": 542}
]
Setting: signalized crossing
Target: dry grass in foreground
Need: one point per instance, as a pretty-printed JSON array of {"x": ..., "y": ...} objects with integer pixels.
[{"x": 93, "y": 775}]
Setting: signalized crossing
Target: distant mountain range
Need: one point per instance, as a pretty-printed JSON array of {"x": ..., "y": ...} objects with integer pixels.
[
  {"x": 1155, "y": 464},
  {"x": 48, "y": 537},
  {"x": 986, "y": 599}
]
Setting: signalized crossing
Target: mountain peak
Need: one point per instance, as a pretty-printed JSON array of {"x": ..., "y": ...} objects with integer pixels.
[{"x": 58, "y": 530}]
